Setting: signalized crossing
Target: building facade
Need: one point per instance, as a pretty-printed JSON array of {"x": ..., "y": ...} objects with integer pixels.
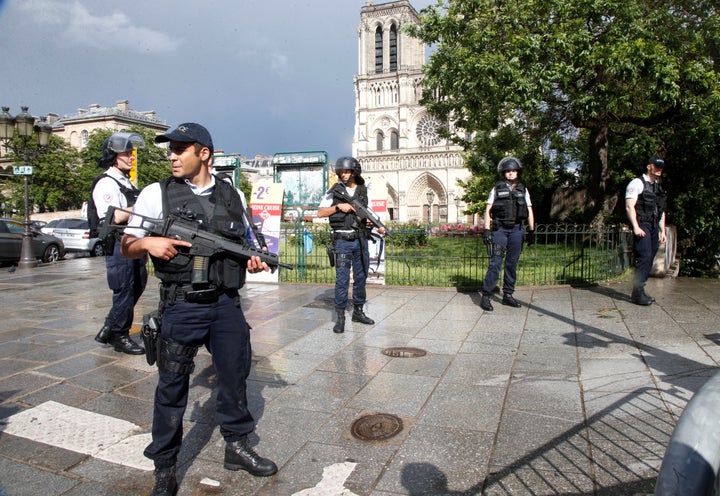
[
  {"x": 75, "y": 129},
  {"x": 403, "y": 157}
]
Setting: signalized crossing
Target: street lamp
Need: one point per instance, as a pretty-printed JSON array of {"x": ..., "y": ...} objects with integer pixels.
[
  {"x": 430, "y": 198},
  {"x": 24, "y": 125}
]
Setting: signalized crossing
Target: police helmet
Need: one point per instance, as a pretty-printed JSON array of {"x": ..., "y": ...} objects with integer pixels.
[
  {"x": 509, "y": 163},
  {"x": 349, "y": 163},
  {"x": 118, "y": 143}
]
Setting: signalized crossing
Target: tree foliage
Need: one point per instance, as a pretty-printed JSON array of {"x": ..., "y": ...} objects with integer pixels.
[
  {"x": 585, "y": 91},
  {"x": 53, "y": 184}
]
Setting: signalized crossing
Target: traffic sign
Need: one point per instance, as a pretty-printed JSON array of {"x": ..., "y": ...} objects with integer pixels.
[{"x": 23, "y": 170}]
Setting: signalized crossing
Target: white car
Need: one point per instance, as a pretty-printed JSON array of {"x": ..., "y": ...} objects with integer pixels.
[{"x": 75, "y": 233}]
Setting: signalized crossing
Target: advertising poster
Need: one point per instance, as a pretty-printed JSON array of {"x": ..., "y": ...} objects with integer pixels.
[
  {"x": 377, "y": 249},
  {"x": 266, "y": 207}
]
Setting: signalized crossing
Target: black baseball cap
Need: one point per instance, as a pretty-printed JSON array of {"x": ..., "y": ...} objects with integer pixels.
[
  {"x": 657, "y": 162},
  {"x": 188, "y": 132}
]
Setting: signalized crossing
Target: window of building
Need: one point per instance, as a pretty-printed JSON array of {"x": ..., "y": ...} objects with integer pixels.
[
  {"x": 379, "y": 138},
  {"x": 378, "y": 50},
  {"x": 393, "y": 48},
  {"x": 84, "y": 139},
  {"x": 394, "y": 140}
]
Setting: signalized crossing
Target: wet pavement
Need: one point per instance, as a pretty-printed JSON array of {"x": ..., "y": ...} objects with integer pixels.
[{"x": 577, "y": 392}]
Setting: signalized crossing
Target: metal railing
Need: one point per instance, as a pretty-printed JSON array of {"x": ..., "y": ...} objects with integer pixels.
[{"x": 454, "y": 255}]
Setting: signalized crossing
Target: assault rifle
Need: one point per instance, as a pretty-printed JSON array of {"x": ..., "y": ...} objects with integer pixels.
[
  {"x": 204, "y": 243},
  {"x": 362, "y": 212}
]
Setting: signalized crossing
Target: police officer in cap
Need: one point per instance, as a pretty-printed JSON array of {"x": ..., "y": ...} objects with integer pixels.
[
  {"x": 645, "y": 203},
  {"x": 197, "y": 313},
  {"x": 126, "y": 278},
  {"x": 350, "y": 237},
  {"x": 508, "y": 209}
]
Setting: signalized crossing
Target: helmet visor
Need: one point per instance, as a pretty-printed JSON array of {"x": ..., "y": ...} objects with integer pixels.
[{"x": 125, "y": 142}]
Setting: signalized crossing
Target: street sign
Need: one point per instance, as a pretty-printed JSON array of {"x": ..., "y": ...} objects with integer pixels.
[{"x": 23, "y": 170}]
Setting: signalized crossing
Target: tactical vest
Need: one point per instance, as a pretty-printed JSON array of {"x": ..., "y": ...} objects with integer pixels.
[
  {"x": 651, "y": 202},
  {"x": 509, "y": 207},
  {"x": 340, "y": 221},
  {"x": 220, "y": 213},
  {"x": 94, "y": 219}
]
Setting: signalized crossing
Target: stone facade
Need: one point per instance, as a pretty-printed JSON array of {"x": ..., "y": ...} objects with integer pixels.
[
  {"x": 395, "y": 139},
  {"x": 75, "y": 129}
]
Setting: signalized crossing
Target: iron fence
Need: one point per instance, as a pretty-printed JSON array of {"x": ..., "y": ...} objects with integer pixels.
[{"x": 456, "y": 256}]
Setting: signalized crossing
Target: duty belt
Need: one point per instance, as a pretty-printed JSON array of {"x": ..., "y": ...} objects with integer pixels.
[
  {"x": 174, "y": 292},
  {"x": 347, "y": 236}
]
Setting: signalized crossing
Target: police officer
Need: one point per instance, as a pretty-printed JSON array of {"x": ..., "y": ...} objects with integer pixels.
[
  {"x": 645, "y": 203},
  {"x": 193, "y": 313},
  {"x": 508, "y": 209},
  {"x": 126, "y": 278},
  {"x": 350, "y": 238}
]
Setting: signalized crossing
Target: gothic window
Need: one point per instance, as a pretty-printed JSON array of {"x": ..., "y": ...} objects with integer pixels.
[
  {"x": 394, "y": 140},
  {"x": 379, "y": 138},
  {"x": 427, "y": 131},
  {"x": 378, "y": 50},
  {"x": 393, "y": 48}
]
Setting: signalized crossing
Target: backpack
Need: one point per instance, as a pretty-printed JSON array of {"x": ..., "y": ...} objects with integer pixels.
[{"x": 94, "y": 220}]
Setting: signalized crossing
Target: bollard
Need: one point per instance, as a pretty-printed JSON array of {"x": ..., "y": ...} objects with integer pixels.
[{"x": 691, "y": 462}]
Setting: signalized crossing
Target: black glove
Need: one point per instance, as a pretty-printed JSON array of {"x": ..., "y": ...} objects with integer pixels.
[
  {"x": 487, "y": 236},
  {"x": 530, "y": 237}
]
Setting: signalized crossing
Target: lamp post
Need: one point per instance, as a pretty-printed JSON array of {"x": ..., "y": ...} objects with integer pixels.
[
  {"x": 430, "y": 198},
  {"x": 24, "y": 125}
]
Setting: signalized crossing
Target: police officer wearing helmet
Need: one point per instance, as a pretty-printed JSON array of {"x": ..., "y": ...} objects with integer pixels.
[
  {"x": 194, "y": 315},
  {"x": 350, "y": 238},
  {"x": 126, "y": 278},
  {"x": 645, "y": 203},
  {"x": 508, "y": 210}
]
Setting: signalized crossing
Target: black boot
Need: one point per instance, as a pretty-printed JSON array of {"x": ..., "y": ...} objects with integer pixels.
[
  {"x": 359, "y": 316},
  {"x": 165, "y": 482},
  {"x": 639, "y": 297},
  {"x": 123, "y": 344},
  {"x": 340, "y": 323},
  {"x": 104, "y": 335},
  {"x": 238, "y": 455},
  {"x": 485, "y": 303},
  {"x": 510, "y": 301}
]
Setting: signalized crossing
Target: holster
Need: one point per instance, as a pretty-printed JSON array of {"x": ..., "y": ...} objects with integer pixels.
[
  {"x": 150, "y": 333},
  {"x": 331, "y": 254}
]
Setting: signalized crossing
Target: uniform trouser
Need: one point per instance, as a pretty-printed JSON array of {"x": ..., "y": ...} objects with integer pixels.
[
  {"x": 645, "y": 249},
  {"x": 507, "y": 243},
  {"x": 127, "y": 279},
  {"x": 349, "y": 254},
  {"x": 222, "y": 326}
]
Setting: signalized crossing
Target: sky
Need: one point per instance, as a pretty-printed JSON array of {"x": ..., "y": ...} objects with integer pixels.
[{"x": 264, "y": 76}]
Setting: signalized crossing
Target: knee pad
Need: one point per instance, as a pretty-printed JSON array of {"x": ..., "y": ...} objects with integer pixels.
[
  {"x": 168, "y": 349},
  {"x": 343, "y": 260}
]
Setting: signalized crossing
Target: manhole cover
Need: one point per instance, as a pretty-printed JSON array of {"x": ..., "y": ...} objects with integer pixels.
[
  {"x": 376, "y": 427},
  {"x": 404, "y": 352}
]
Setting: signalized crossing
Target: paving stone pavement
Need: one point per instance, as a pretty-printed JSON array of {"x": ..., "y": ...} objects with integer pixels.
[{"x": 575, "y": 393}]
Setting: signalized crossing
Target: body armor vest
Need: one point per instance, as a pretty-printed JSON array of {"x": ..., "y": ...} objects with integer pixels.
[
  {"x": 651, "y": 202},
  {"x": 509, "y": 207},
  {"x": 342, "y": 221},
  {"x": 221, "y": 213}
]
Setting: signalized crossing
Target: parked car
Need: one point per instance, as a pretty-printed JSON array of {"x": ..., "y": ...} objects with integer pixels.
[
  {"x": 75, "y": 233},
  {"x": 48, "y": 228},
  {"x": 45, "y": 247}
]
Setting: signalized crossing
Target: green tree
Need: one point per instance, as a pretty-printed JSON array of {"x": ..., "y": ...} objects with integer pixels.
[
  {"x": 560, "y": 71},
  {"x": 53, "y": 184}
]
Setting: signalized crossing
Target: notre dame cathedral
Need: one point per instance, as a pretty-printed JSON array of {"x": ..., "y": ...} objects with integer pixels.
[{"x": 404, "y": 160}]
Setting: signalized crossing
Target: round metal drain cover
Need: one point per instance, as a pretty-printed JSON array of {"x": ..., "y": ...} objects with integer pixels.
[
  {"x": 376, "y": 427},
  {"x": 404, "y": 352}
]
